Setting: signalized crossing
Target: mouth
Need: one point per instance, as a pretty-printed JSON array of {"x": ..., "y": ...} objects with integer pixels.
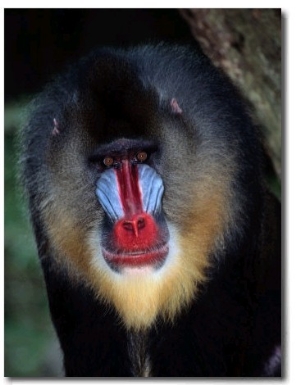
[{"x": 153, "y": 258}]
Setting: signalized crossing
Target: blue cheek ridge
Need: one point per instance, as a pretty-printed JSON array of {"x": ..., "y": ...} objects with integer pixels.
[
  {"x": 152, "y": 189},
  {"x": 108, "y": 195}
]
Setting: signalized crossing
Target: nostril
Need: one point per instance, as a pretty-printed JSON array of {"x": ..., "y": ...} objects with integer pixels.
[
  {"x": 141, "y": 223},
  {"x": 128, "y": 225}
]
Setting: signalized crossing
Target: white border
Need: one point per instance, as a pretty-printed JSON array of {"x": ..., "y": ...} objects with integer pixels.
[
  {"x": 144, "y": 4},
  {"x": 292, "y": 142}
]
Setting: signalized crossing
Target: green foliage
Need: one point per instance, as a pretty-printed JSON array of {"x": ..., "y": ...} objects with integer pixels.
[
  {"x": 28, "y": 330},
  {"x": 274, "y": 185}
]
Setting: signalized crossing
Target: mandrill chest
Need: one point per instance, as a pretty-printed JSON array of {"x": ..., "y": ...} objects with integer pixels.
[{"x": 139, "y": 354}]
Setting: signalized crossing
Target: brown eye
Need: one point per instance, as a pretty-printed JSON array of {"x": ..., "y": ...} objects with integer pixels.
[
  {"x": 141, "y": 156},
  {"x": 108, "y": 161}
]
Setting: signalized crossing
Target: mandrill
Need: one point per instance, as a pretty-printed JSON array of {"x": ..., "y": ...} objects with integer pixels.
[{"x": 158, "y": 239}]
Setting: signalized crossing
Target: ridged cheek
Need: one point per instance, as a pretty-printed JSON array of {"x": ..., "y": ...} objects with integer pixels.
[
  {"x": 152, "y": 188},
  {"x": 108, "y": 195}
]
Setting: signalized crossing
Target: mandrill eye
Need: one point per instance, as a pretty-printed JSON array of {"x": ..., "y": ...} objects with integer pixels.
[
  {"x": 108, "y": 161},
  {"x": 141, "y": 156}
]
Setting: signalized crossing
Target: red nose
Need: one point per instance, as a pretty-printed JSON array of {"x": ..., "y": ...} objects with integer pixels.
[
  {"x": 137, "y": 232},
  {"x": 135, "y": 224}
]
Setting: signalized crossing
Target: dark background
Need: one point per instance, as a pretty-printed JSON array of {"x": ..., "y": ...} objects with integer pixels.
[{"x": 38, "y": 44}]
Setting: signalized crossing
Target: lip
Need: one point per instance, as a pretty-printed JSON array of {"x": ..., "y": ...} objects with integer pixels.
[{"x": 137, "y": 259}]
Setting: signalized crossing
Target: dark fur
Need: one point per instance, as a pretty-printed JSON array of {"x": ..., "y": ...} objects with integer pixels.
[{"x": 233, "y": 326}]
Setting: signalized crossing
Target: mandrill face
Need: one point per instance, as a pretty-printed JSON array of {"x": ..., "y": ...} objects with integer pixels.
[{"x": 130, "y": 193}]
